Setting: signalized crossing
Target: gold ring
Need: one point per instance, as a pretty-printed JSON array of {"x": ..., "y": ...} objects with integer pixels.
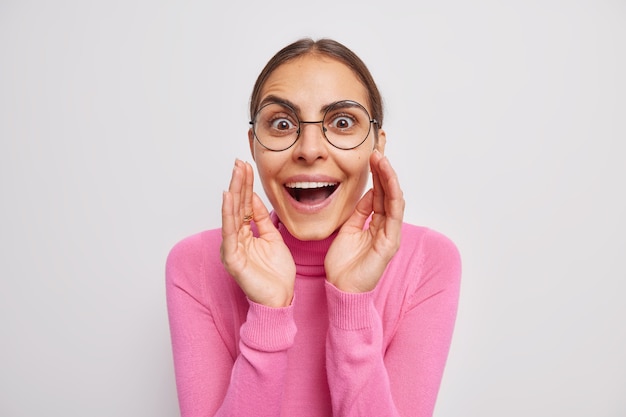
[{"x": 248, "y": 217}]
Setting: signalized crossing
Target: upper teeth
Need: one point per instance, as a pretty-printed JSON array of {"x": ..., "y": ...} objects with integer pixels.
[{"x": 309, "y": 184}]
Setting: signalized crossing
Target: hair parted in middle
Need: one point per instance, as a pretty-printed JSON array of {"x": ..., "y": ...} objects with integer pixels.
[{"x": 332, "y": 49}]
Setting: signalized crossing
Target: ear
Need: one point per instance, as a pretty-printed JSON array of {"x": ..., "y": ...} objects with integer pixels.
[
  {"x": 251, "y": 142},
  {"x": 381, "y": 142}
]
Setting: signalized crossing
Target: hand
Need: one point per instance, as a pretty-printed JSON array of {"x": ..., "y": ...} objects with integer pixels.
[
  {"x": 357, "y": 258},
  {"x": 262, "y": 266}
]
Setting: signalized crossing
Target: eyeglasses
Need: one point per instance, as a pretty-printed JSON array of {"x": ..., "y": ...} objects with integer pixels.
[{"x": 345, "y": 125}]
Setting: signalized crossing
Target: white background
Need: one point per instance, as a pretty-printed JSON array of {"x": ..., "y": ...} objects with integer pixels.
[{"x": 120, "y": 121}]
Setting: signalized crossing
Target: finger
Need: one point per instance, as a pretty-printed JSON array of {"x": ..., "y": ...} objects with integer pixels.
[
  {"x": 229, "y": 227},
  {"x": 361, "y": 213},
  {"x": 262, "y": 217},
  {"x": 394, "y": 197},
  {"x": 379, "y": 193},
  {"x": 394, "y": 203},
  {"x": 247, "y": 209},
  {"x": 235, "y": 188}
]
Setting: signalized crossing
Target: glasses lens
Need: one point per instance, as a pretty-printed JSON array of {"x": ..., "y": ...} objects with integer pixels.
[
  {"x": 347, "y": 124},
  {"x": 276, "y": 126}
]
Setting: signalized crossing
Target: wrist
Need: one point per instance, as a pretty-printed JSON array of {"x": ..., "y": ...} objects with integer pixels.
[{"x": 350, "y": 311}]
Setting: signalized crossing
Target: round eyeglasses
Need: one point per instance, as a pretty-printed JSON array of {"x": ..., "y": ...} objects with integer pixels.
[{"x": 345, "y": 125}]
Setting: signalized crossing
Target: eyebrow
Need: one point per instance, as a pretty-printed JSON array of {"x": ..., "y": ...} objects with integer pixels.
[{"x": 279, "y": 100}]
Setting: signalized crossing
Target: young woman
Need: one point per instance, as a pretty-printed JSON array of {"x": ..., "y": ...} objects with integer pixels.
[{"x": 327, "y": 305}]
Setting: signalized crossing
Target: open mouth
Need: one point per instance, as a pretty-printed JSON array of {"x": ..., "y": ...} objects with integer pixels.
[{"x": 310, "y": 192}]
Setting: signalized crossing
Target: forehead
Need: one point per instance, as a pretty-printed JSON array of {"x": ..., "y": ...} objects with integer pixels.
[{"x": 314, "y": 81}]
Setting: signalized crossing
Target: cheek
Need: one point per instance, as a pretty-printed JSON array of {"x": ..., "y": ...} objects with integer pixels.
[
  {"x": 267, "y": 166},
  {"x": 264, "y": 170},
  {"x": 266, "y": 174},
  {"x": 360, "y": 176}
]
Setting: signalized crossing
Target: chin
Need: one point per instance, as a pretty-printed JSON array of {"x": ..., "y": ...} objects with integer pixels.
[{"x": 310, "y": 231}]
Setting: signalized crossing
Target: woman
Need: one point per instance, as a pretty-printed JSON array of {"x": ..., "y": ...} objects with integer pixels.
[{"x": 327, "y": 305}]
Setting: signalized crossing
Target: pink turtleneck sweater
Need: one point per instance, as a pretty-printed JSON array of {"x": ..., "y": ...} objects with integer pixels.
[{"x": 330, "y": 353}]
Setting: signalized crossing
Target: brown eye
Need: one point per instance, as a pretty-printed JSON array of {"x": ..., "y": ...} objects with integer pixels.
[
  {"x": 276, "y": 126},
  {"x": 341, "y": 123},
  {"x": 282, "y": 124}
]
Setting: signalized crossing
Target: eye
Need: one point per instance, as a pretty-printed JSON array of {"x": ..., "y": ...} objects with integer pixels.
[
  {"x": 282, "y": 123},
  {"x": 276, "y": 120},
  {"x": 341, "y": 121}
]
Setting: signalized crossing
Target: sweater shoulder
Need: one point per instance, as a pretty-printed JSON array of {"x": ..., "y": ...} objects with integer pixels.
[
  {"x": 427, "y": 242},
  {"x": 430, "y": 258},
  {"x": 191, "y": 259},
  {"x": 424, "y": 254},
  {"x": 194, "y": 247}
]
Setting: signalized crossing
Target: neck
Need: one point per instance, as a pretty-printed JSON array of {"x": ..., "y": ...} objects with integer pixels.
[{"x": 307, "y": 254}]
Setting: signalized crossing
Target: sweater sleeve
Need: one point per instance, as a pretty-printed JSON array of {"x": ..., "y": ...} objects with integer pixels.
[
  {"x": 402, "y": 379},
  {"x": 212, "y": 379},
  {"x": 258, "y": 377},
  {"x": 357, "y": 377}
]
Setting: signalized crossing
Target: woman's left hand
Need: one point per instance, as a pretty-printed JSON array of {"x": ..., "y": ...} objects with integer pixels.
[{"x": 358, "y": 257}]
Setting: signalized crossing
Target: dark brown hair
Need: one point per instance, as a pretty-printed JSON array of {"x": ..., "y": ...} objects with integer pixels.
[{"x": 332, "y": 49}]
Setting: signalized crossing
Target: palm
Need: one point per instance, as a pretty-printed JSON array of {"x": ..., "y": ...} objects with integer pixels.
[
  {"x": 358, "y": 256},
  {"x": 262, "y": 265}
]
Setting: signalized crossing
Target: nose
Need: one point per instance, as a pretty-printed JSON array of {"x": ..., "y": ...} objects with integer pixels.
[{"x": 311, "y": 144}]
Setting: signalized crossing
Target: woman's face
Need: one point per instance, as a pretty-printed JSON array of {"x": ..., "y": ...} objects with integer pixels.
[{"x": 313, "y": 186}]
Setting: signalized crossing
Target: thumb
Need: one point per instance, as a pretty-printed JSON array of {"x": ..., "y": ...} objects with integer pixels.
[
  {"x": 261, "y": 216},
  {"x": 362, "y": 211}
]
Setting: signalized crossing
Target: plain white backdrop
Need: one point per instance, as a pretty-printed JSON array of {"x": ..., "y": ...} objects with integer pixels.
[{"x": 120, "y": 122}]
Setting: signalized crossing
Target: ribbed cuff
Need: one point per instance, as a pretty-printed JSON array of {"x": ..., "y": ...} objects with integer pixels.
[
  {"x": 350, "y": 311},
  {"x": 268, "y": 329}
]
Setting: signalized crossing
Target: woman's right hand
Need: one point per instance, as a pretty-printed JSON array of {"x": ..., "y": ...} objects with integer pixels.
[{"x": 262, "y": 266}]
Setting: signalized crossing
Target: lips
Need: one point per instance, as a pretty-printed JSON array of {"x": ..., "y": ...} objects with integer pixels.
[{"x": 310, "y": 192}]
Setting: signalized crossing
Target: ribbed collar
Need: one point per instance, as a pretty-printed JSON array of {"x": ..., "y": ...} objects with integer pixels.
[{"x": 307, "y": 254}]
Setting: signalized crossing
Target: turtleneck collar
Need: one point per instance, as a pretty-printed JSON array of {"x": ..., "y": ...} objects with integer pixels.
[{"x": 307, "y": 254}]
